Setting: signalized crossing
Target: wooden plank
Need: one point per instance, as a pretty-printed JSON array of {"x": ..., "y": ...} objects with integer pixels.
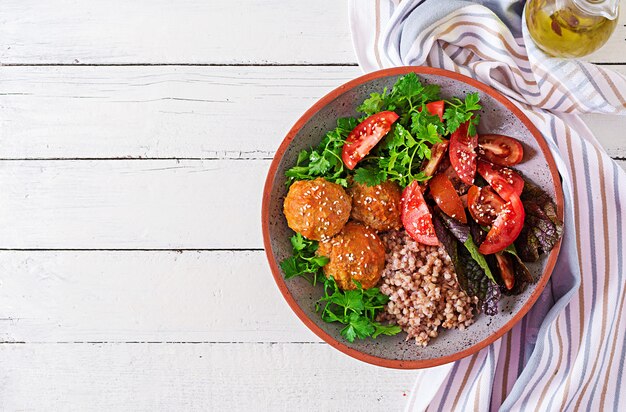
[
  {"x": 207, "y": 32},
  {"x": 233, "y": 377},
  {"x": 132, "y": 204},
  {"x": 182, "y": 112},
  {"x": 191, "y": 31},
  {"x": 156, "y": 112},
  {"x": 143, "y": 296}
]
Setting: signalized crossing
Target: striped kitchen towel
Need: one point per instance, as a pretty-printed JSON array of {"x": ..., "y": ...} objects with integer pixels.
[{"x": 568, "y": 353}]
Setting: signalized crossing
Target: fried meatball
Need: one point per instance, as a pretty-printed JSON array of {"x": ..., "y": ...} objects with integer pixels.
[
  {"x": 355, "y": 253},
  {"x": 377, "y": 206},
  {"x": 317, "y": 209}
]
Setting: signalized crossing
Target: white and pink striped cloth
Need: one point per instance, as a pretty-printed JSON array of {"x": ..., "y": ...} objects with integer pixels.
[{"x": 568, "y": 353}]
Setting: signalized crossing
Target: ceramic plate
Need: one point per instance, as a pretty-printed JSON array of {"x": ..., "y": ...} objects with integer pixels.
[{"x": 498, "y": 115}]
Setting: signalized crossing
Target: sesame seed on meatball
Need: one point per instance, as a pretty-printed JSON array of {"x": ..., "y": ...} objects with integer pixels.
[
  {"x": 317, "y": 209},
  {"x": 356, "y": 253},
  {"x": 377, "y": 206}
]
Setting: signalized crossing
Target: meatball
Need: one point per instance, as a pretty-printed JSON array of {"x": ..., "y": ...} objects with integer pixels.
[
  {"x": 317, "y": 209},
  {"x": 355, "y": 253},
  {"x": 377, "y": 206}
]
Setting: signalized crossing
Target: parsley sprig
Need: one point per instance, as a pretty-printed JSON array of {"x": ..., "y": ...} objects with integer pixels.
[
  {"x": 356, "y": 309},
  {"x": 459, "y": 111},
  {"x": 407, "y": 96},
  {"x": 324, "y": 160},
  {"x": 304, "y": 262}
]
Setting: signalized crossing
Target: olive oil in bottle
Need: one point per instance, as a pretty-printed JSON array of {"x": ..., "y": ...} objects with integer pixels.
[{"x": 571, "y": 28}]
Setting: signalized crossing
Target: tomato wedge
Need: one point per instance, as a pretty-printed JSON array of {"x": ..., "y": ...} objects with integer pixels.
[
  {"x": 436, "y": 156},
  {"x": 446, "y": 197},
  {"x": 416, "y": 217},
  {"x": 463, "y": 153},
  {"x": 506, "y": 227},
  {"x": 500, "y": 150},
  {"x": 436, "y": 108},
  {"x": 504, "y": 180},
  {"x": 506, "y": 270},
  {"x": 365, "y": 136},
  {"x": 484, "y": 204}
]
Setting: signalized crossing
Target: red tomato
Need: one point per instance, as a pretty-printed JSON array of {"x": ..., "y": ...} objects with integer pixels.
[
  {"x": 447, "y": 198},
  {"x": 436, "y": 108},
  {"x": 365, "y": 136},
  {"x": 463, "y": 154},
  {"x": 502, "y": 179},
  {"x": 416, "y": 217},
  {"x": 506, "y": 227},
  {"x": 484, "y": 204},
  {"x": 436, "y": 156},
  {"x": 500, "y": 150},
  {"x": 506, "y": 270}
]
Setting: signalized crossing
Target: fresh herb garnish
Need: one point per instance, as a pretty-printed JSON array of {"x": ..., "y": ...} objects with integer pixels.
[
  {"x": 369, "y": 176},
  {"x": 459, "y": 111},
  {"x": 356, "y": 309},
  {"x": 304, "y": 262},
  {"x": 407, "y": 95},
  {"x": 324, "y": 160}
]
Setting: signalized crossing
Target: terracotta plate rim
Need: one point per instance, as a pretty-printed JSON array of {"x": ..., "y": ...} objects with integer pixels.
[{"x": 280, "y": 281}]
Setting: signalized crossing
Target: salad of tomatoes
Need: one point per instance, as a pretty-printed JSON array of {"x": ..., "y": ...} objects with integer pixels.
[{"x": 418, "y": 164}]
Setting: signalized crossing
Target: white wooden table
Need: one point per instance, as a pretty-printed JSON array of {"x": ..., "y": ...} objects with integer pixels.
[{"x": 134, "y": 141}]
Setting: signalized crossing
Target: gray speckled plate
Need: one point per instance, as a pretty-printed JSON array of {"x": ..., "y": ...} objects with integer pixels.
[{"x": 498, "y": 116}]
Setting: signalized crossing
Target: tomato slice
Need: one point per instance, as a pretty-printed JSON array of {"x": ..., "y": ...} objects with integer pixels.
[
  {"x": 446, "y": 197},
  {"x": 506, "y": 270},
  {"x": 500, "y": 150},
  {"x": 437, "y": 153},
  {"x": 506, "y": 227},
  {"x": 365, "y": 136},
  {"x": 484, "y": 204},
  {"x": 463, "y": 153},
  {"x": 504, "y": 180},
  {"x": 416, "y": 217},
  {"x": 436, "y": 108}
]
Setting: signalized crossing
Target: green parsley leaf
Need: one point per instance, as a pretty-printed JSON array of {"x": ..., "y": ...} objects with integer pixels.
[
  {"x": 324, "y": 160},
  {"x": 471, "y": 102},
  {"x": 388, "y": 330},
  {"x": 369, "y": 176},
  {"x": 349, "y": 333},
  {"x": 318, "y": 165},
  {"x": 298, "y": 242},
  {"x": 304, "y": 261},
  {"x": 374, "y": 104},
  {"x": 407, "y": 86},
  {"x": 459, "y": 112},
  {"x": 357, "y": 309}
]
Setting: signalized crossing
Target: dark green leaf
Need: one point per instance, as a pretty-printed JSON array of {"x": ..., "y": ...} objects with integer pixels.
[
  {"x": 356, "y": 309},
  {"x": 369, "y": 176},
  {"x": 304, "y": 261}
]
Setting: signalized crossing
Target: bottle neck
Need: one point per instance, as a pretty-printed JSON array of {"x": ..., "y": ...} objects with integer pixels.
[{"x": 605, "y": 8}]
